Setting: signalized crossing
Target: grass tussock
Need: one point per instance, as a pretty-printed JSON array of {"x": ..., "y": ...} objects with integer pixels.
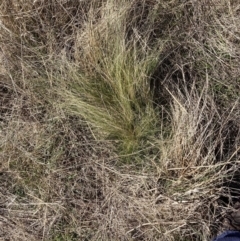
[{"x": 119, "y": 119}]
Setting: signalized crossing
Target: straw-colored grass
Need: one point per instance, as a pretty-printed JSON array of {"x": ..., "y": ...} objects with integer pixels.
[{"x": 119, "y": 119}]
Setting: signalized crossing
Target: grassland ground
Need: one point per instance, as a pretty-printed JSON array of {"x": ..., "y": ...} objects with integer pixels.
[{"x": 119, "y": 120}]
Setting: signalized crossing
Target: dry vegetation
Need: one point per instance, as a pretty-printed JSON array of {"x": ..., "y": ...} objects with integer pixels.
[{"x": 119, "y": 118}]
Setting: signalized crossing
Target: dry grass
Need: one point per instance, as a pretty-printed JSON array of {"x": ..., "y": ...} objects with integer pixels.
[{"x": 119, "y": 119}]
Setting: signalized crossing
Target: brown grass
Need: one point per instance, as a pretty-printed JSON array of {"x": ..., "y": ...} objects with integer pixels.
[{"x": 119, "y": 119}]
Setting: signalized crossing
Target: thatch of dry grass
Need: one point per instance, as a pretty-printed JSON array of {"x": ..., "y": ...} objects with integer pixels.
[{"x": 119, "y": 119}]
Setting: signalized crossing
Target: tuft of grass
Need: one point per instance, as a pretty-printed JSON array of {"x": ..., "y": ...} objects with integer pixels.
[{"x": 110, "y": 87}]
